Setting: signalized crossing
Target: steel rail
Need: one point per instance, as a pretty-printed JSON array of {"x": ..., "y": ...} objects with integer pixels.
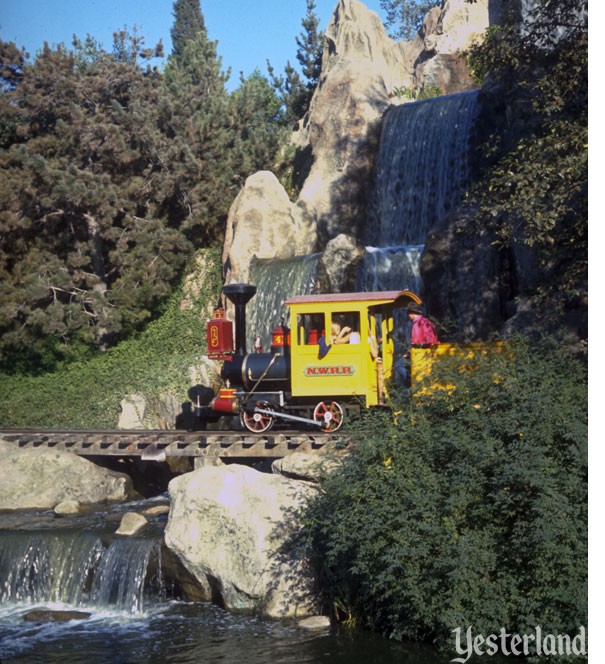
[{"x": 156, "y": 445}]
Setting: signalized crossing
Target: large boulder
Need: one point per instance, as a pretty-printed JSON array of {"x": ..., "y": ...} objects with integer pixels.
[
  {"x": 339, "y": 264},
  {"x": 43, "y": 478},
  {"x": 263, "y": 223},
  {"x": 230, "y": 527}
]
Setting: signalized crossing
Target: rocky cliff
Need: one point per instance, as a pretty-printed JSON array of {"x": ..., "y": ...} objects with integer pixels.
[{"x": 363, "y": 72}]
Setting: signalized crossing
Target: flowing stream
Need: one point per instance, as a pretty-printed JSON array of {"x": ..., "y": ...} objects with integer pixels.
[{"x": 128, "y": 614}]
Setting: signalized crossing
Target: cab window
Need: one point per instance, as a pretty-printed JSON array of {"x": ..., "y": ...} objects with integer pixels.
[
  {"x": 345, "y": 327},
  {"x": 310, "y": 328}
]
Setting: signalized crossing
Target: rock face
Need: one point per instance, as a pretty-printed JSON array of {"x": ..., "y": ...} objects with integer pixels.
[
  {"x": 363, "y": 71},
  {"x": 41, "y": 479},
  {"x": 262, "y": 222},
  {"x": 447, "y": 31},
  {"x": 228, "y": 526}
]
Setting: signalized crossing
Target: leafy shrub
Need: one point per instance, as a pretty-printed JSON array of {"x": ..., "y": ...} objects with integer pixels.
[
  {"x": 87, "y": 393},
  {"x": 464, "y": 508}
]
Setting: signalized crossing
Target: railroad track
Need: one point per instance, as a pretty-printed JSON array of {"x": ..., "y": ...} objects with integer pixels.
[{"x": 157, "y": 445}]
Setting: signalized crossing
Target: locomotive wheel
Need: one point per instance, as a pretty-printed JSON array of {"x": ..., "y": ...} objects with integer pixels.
[
  {"x": 257, "y": 422},
  {"x": 330, "y": 414}
]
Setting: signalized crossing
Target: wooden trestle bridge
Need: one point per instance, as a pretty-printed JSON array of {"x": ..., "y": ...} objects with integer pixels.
[{"x": 157, "y": 445}]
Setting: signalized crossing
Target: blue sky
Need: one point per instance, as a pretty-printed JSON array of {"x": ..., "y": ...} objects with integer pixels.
[{"x": 248, "y": 31}]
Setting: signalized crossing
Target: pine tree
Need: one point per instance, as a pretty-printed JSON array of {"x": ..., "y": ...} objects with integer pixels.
[
  {"x": 294, "y": 91},
  {"x": 87, "y": 248},
  {"x": 310, "y": 47},
  {"x": 258, "y": 123},
  {"x": 195, "y": 116},
  {"x": 404, "y": 17},
  {"x": 188, "y": 24}
]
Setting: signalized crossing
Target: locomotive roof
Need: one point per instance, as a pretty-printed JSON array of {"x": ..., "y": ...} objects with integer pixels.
[{"x": 402, "y": 298}]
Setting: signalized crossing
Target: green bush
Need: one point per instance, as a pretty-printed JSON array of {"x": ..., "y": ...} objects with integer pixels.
[
  {"x": 87, "y": 394},
  {"x": 464, "y": 508}
]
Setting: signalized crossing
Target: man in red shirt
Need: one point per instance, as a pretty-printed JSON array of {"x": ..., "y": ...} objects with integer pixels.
[
  {"x": 423, "y": 334},
  {"x": 423, "y": 330}
]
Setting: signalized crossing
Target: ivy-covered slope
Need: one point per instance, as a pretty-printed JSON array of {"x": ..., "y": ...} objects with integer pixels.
[{"x": 87, "y": 394}]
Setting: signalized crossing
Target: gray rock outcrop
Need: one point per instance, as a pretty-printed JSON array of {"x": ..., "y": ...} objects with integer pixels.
[
  {"x": 338, "y": 264},
  {"x": 44, "y": 478},
  {"x": 230, "y": 526},
  {"x": 308, "y": 467},
  {"x": 361, "y": 69}
]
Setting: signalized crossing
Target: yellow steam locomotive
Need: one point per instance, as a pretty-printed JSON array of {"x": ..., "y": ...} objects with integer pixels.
[{"x": 337, "y": 357}]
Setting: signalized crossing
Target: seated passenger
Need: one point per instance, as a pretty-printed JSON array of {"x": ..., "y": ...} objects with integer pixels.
[{"x": 341, "y": 335}]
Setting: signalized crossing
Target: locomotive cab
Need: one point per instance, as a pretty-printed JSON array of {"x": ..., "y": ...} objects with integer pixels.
[{"x": 350, "y": 366}]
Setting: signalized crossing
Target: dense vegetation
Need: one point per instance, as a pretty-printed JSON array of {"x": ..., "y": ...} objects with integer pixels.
[
  {"x": 156, "y": 363},
  {"x": 113, "y": 174},
  {"x": 535, "y": 185},
  {"x": 467, "y": 508}
]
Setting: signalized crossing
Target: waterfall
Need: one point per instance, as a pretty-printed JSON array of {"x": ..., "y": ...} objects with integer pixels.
[
  {"x": 276, "y": 280},
  {"x": 422, "y": 169},
  {"x": 390, "y": 268},
  {"x": 76, "y": 569},
  {"x": 46, "y": 568},
  {"x": 120, "y": 579}
]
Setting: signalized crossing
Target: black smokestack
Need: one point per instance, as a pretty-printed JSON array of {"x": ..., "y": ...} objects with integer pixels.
[{"x": 240, "y": 295}]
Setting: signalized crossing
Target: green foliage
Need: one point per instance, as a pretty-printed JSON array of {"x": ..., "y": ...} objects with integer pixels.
[
  {"x": 86, "y": 392},
  {"x": 188, "y": 25},
  {"x": 257, "y": 124},
  {"x": 417, "y": 94},
  {"x": 111, "y": 176},
  {"x": 12, "y": 61},
  {"x": 404, "y": 17},
  {"x": 87, "y": 253},
  {"x": 296, "y": 92},
  {"x": 535, "y": 184},
  {"x": 464, "y": 508},
  {"x": 310, "y": 47}
]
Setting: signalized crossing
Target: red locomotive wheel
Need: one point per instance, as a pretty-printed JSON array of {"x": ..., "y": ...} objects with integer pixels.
[
  {"x": 256, "y": 422},
  {"x": 330, "y": 414}
]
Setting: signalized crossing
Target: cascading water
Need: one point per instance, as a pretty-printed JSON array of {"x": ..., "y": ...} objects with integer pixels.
[
  {"x": 423, "y": 167},
  {"x": 39, "y": 567},
  {"x": 276, "y": 280},
  {"x": 390, "y": 268},
  {"x": 120, "y": 578},
  {"x": 76, "y": 569}
]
